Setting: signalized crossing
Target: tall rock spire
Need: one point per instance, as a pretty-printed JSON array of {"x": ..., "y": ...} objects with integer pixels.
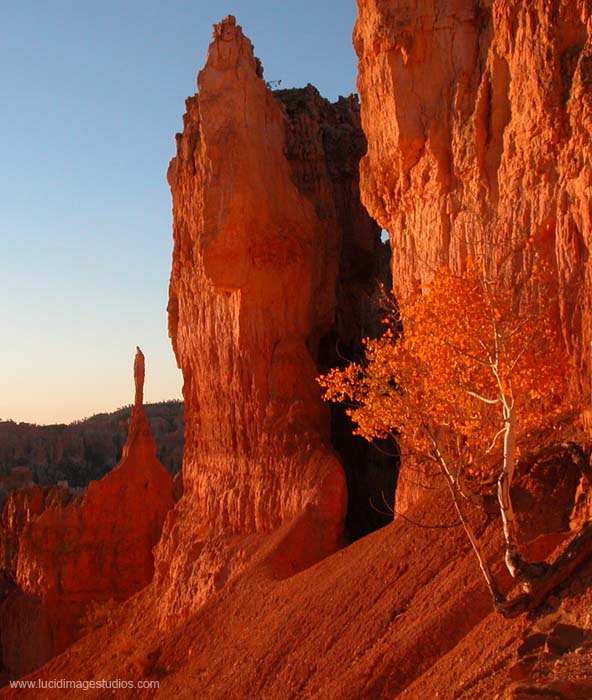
[
  {"x": 139, "y": 374},
  {"x": 139, "y": 437},
  {"x": 266, "y": 218},
  {"x": 250, "y": 251},
  {"x": 96, "y": 550},
  {"x": 261, "y": 212}
]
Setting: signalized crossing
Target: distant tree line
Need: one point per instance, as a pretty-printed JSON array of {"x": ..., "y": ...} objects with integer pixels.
[{"x": 87, "y": 449}]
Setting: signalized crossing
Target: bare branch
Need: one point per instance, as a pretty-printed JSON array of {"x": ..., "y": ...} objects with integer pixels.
[
  {"x": 495, "y": 437},
  {"x": 483, "y": 398}
]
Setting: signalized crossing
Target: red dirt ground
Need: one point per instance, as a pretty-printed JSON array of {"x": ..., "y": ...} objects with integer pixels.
[{"x": 402, "y": 613}]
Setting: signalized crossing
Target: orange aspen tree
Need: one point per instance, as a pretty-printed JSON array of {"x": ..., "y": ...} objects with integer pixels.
[{"x": 461, "y": 374}]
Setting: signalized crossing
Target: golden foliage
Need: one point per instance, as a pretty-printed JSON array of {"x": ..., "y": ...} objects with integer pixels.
[{"x": 472, "y": 351}]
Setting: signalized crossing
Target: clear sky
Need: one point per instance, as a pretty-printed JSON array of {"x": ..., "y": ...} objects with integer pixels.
[{"x": 92, "y": 95}]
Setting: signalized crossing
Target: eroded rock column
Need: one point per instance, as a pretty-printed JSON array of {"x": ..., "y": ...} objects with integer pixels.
[{"x": 250, "y": 251}]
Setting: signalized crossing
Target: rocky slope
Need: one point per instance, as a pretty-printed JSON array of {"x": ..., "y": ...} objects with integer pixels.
[
  {"x": 402, "y": 613},
  {"x": 61, "y": 554}
]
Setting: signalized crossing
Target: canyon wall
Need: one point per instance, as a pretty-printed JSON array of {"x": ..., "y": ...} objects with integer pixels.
[
  {"x": 62, "y": 553},
  {"x": 478, "y": 115},
  {"x": 273, "y": 271}
]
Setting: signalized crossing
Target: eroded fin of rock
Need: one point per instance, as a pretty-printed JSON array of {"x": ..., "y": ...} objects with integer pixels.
[
  {"x": 266, "y": 210},
  {"x": 249, "y": 252}
]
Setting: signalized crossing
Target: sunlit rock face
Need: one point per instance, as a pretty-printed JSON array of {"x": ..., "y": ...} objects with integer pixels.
[
  {"x": 403, "y": 613},
  {"x": 249, "y": 256},
  {"x": 266, "y": 207},
  {"x": 478, "y": 116},
  {"x": 62, "y": 553}
]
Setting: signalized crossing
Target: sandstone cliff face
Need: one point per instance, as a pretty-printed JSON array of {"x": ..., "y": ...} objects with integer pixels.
[
  {"x": 244, "y": 317},
  {"x": 266, "y": 210},
  {"x": 62, "y": 553},
  {"x": 403, "y": 613},
  {"x": 478, "y": 116},
  {"x": 479, "y": 119}
]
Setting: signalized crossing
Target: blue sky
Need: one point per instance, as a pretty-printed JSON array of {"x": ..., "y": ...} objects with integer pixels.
[{"x": 92, "y": 95}]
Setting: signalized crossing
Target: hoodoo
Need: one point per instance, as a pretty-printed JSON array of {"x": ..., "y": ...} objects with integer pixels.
[
  {"x": 243, "y": 314},
  {"x": 264, "y": 211},
  {"x": 67, "y": 552}
]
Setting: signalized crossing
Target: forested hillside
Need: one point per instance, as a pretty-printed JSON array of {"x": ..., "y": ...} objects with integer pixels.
[{"x": 89, "y": 448}]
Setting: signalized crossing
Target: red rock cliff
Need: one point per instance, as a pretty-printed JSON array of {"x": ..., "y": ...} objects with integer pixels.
[
  {"x": 402, "y": 613},
  {"x": 244, "y": 313},
  {"x": 478, "y": 115},
  {"x": 266, "y": 208}
]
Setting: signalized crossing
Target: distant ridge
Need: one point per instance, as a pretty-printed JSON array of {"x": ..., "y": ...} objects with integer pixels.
[{"x": 87, "y": 449}]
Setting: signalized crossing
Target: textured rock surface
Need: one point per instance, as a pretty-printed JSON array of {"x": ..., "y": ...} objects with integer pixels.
[
  {"x": 21, "y": 508},
  {"x": 63, "y": 555},
  {"x": 244, "y": 318},
  {"x": 478, "y": 116},
  {"x": 402, "y": 613},
  {"x": 16, "y": 479},
  {"x": 324, "y": 146},
  {"x": 266, "y": 208},
  {"x": 274, "y": 260}
]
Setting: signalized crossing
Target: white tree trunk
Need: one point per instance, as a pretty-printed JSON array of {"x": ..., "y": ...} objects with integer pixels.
[
  {"x": 455, "y": 492},
  {"x": 504, "y": 486}
]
